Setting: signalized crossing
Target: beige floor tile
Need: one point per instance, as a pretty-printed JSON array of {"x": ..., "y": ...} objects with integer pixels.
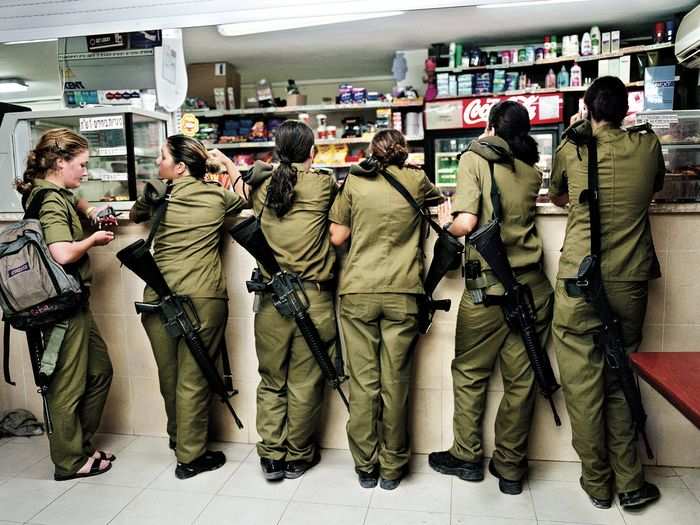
[
  {"x": 135, "y": 470},
  {"x": 484, "y": 499},
  {"x": 417, "y": 492},
  {"x": 663, "y": 477},
  {"x": 87, "y": 504},
  {"x": 332, "y": 486},
  {"x": 159, "y": 507},
  {"x": 227, "y": 510},
  {"x": 690, "y": 476},
  {"x": 405, "y": 517},
  {"x": 482, "y": 520},
  {"x": 16, "y": 458},
  {"x": 300, "y": 513},
  {"x": 562, "y": 501},
  {"x": 22, "y": 499},
  {"x": 248, "y": 482}
]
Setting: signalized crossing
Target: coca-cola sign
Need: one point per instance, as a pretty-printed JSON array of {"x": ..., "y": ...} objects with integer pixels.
[{"x": 543, "y": 109}]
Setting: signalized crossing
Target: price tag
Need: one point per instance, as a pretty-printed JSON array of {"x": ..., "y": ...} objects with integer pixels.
[{"x": 101, "y": 123}]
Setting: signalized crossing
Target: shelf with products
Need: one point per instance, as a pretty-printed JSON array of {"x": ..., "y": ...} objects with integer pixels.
[
  {"x": 314, "y": 108},
  {"x": 542, "y": 91},
  {"x": 561, "y": 59},
  {"x": 319, "y": 142}
]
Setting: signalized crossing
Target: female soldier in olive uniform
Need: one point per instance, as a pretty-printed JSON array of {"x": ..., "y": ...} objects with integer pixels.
[
  {"x": 381, "y": 276},
  {"x": 187, "y": 250},
  {"x": 482, "y": 334},
  {"x": 630, "y": 170},
  {"x": 293, "y": 202},
  {"x": 83, "y": 374}
]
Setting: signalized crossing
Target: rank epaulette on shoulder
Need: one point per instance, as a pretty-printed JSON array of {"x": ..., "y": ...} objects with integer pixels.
[
  {"x": 211, "y": 182},
  {"x": 640, "y": 128},
  {"x": 323, "y": 171}
]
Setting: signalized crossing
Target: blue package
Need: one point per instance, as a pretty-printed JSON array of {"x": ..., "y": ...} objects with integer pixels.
[{"x": 659, "y": 87}]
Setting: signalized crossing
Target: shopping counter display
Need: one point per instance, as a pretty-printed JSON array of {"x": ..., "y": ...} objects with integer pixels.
[{"x": 136, "y": 407}]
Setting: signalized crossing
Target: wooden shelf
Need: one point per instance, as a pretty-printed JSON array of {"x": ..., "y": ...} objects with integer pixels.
[
  {"x": 542, "y": 91},
  {"x": 316, "y": 108},
  {"x": 557, "y": 60}
]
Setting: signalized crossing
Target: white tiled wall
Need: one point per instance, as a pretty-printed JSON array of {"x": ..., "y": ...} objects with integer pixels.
[{"x": 135, "y": 405}]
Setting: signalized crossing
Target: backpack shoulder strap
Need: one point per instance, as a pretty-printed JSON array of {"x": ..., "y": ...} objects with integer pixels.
[
  {"x": 34, "y": 209},
  {"x": 495, "y": 195},
  {"x": 158, "y": 216}
]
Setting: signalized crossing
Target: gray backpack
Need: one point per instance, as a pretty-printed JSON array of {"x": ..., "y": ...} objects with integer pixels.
[{"x": 35, "y": 290}]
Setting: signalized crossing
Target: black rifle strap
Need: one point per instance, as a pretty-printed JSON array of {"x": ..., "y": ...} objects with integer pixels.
[
  {"x": 592, "y": 197},
  {"x": 495, "y": 195},
  {"x": 6, "y": 354},
  {"x": 158, "y": 215},
  {"x": 406, "y": 195}
]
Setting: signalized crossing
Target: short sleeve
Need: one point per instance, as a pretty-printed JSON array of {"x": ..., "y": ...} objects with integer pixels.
[
  {"x": 558, "y": 183},
  {"x": 140, "y": 211},
  {"x": 342, "y": 206},
  {"x": 431, "y": 194},
  {"x": 468, "y": 195},
  {"x": 54, "y": 219},
  {"x": 233, "y": 203},
  {"x": 660, "y": 168}
]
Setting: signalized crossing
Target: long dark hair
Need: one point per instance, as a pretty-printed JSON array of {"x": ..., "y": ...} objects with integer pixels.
[
  {"x": 190, "y": 152},
  {"x": 55, "y": 144},
  {"x": 293, "y": 143},
  {"x": 389, "y": 148},
  {"x": 511, "y": 121}
]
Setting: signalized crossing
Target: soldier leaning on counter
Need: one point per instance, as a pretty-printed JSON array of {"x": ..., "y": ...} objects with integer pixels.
[
  {"x": 187, "y": 250},
  {"x": 292, "y": 202},
  {"x": 482, "y": 335},
  {"x": 83, "y": 373},
  {"x": 630, "y": 170},
  {"x": 378, "y": 310}
]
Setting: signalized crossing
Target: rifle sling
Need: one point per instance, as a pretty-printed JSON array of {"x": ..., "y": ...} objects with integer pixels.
[{"x": 406, "y": 195}]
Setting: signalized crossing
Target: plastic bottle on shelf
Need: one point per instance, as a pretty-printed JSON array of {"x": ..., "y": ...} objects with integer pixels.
[
  {"x": 563, "y": 78},
  {"x": 595, "y": 40},
  {"x": 553, "y": 46},
  {"x": 547, "y": 47},
  {"x": 573, "y": 48},
  {"x": 550, "y": 81},
  {"x": 586, "y": 47},
  {"x": 575, "y": 80}
]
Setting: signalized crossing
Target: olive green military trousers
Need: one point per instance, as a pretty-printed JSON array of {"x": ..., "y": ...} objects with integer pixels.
[
  {"x": 290, "y": 392},
  {"x": 379, "y": 331},
  {"x": 77, "y": 393},
  {"x": 482, "y": 337},
  {"x": 601, "y": 422},
  {"x": 184, "y": 388}
]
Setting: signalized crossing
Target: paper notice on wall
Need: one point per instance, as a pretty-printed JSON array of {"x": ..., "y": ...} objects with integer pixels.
[
  {"x": 549, "y": 108},
  {"x": 101, "y": 123}
]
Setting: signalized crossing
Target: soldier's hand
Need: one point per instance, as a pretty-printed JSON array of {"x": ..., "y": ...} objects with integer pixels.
[
  {"x": 445, "y": 212},
  {"x": 104, "y": 216},
  {"x": 102, "y": 237}
]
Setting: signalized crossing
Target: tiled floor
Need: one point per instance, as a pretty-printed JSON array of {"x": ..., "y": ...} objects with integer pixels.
[{"x": 142, "y": 489}]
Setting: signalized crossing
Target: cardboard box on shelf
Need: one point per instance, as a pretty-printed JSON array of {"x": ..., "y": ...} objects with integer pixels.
[
  {"x": 625, "y": 67},
  {"x": 296, "y": 100},
  {"x": 205, "y": 77}
]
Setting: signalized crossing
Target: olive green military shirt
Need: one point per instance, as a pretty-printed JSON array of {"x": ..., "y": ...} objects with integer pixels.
[
  {"x": 385, "y": 254},
  {"x": 187, "y": 245},
  {"x": 518, "y": 189},
  {"x": 299, "y": 239},
  {"x": 630, "y": 170},
  {"x": 60, "y": 222}
]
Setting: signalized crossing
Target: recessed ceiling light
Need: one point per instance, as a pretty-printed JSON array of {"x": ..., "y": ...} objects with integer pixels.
[
  {"x": 16, "y": 42},
  {"x": 266, "y": 26},
  {"x": 12, "y": 85},
  {"x": 526, "y": 3}
]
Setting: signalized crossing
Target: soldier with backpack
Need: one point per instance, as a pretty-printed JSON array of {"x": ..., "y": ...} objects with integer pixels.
[{"x": 78, "y": 387}]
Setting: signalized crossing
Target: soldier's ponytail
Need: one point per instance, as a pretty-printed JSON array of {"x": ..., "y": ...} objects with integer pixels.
[
  {"x": 293, "y": 142},
  {"x": 55, "y": 144},
  {"x": 511, "y": 121}
]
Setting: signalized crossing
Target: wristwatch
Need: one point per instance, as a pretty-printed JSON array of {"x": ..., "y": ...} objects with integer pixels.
[{"x": 446, "y": 227}]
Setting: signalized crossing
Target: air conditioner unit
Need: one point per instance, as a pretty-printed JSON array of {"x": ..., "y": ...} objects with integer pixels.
[{"x": 688, "y": 40}]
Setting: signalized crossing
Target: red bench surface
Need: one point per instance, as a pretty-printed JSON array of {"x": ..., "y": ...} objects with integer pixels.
[{"x": 676, "y": 376}]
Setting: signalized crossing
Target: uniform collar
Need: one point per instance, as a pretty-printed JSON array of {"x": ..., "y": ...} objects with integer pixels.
[
  {"x": 186, "y": 179},
  {"x": 43, "y": 183}
]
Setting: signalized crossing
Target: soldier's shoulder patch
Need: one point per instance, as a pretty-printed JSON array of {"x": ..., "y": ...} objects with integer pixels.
[{"x": 641, "y": 128}]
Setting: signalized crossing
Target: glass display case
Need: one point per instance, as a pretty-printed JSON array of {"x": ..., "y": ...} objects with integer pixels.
[
  {"x": 124, "y": 146},
  {"x": 679, "y": 134}
]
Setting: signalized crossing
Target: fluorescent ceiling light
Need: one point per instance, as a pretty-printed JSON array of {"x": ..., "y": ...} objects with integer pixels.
[
  {"x": 12, "y": 85},
  {"x": 266, "y": 26},
  {"x": 523, "y": 4},
  {"x": 30, "y": 41}
]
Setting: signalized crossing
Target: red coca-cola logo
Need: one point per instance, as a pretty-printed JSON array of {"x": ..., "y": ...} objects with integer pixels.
[{"x": 478, "y": 109}]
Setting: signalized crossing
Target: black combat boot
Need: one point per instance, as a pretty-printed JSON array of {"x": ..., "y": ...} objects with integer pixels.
[
  {"x": 210, "y": 460},
  {"x": 507, "y": 486},
  {"x": 368, "y": 480},
  {"x": 445, "y": 463},
  {"x": 640, "y": 497},
  {"x": 272, "y": 469},
  {"x": 295, "y": 468}
]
